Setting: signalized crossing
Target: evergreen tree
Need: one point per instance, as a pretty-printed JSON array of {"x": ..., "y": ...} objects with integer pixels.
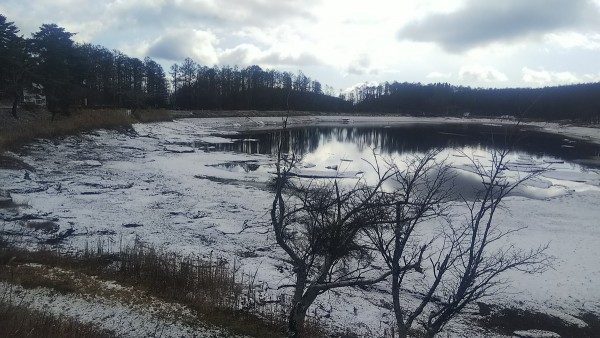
[
  {"x": 14, "y": 63},
  {"x": 54, "y": 53}
]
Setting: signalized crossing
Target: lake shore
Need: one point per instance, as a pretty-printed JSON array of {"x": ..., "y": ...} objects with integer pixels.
[
  {"x": 259, "y": 119},
  {"x": 588, "y": 133}
]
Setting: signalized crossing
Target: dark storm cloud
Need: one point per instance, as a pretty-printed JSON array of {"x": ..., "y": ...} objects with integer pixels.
[{"x": 482, "y": 22}]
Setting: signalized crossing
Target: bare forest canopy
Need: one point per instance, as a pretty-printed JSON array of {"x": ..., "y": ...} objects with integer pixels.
[{"x": 71, "y": 75}]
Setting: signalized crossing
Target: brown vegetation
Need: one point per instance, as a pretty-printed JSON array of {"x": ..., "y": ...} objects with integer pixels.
[
  {"x": 216, "y": 291},
  {"x": 153, "y": 115},
  {"x": 19, "y": 321},
  {"x": 38, "y": 124}
]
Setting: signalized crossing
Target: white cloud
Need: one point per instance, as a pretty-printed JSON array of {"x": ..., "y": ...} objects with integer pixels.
[
  {"x": 248, "y": 54},
  {"x": 178, "y": 44},
  {"x": 479, "y": 23},
  {"x": 359, "y": 85},
  {"x": 591, "y": 77},
  {"x": 360, "y": 65},
  {"x": 277, "y": 58},
  {"x": 572, "y": 39},
  {"x": 203, "y": 13},
  {"x": 343, "y": 42},
  {"x": 438, "y": 75},
  {"x": 479, "y": 73},
  {"x": 544, "y": 77},
  {"x": 539, "y": 77},
  {"x": 241, "y": 55}
]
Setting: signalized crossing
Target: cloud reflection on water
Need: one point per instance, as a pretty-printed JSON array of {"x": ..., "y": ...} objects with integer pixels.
[{"x": 352, "y": 149}]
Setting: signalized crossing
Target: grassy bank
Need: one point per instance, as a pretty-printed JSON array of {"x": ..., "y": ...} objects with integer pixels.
[
  {"x": 38, "y": 124},
  {"x": 19, "y": 321},
  {"x": 216, "y": 292}
]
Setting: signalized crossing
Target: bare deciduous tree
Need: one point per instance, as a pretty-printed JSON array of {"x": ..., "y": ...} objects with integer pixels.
[
  {"x": 476, "y": 259},
  {"x": 421, "y": 188},
  {"x": 330, "y": 231},
  {"x": 318, "y": 224},
  {"x": 463, "y": 261}
]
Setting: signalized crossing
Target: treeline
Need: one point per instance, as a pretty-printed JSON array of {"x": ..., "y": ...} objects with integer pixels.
[
  {"x": 232, "y": 88},
  {"x": 71, "y": 75},
  {"x": 579, "y": 101},
  {"x": 68, "y": 74}
]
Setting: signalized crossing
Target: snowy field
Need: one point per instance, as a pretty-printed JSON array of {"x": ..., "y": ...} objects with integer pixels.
[{"x": 151, "y": 186}]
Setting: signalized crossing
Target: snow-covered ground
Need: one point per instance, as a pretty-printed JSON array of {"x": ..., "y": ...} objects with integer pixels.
[
  {"x": 181, "y": 199},
  {"x": 153, "y": 318}
]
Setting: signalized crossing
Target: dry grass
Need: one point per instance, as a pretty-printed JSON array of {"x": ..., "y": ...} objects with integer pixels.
[
  {"x": 153, "y": 115},
  {"x": 219, "y": 293},
  {"x": 216, "y": 291},
  {"x": 38, "y": 124},
  {"x": 19, "y": 321}
]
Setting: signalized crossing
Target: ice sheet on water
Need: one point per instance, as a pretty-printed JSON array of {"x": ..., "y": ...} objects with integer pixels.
[
  {"x": 179, "y": 149},
  {"x": 216, "y": 139},
  {"x": 528, "y": 167},
  {"x": 586, "y": 176},
  {"x": 553, "y": 161},
  {"x": 325, "y": 174},
  {"x": 538, "y": 182},
  {"x": 89, "y": 163},
  {"x": 535, "y": 334}
]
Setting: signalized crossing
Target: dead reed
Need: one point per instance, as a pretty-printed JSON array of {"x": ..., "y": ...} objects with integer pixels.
[
  {"x": 153, "y": 115},
  {"x": 216, "y": 289},
  {"x": 14, "y": 133},
  {"x": 218, "y": 292},
  {"x": 19, "y": 321}
]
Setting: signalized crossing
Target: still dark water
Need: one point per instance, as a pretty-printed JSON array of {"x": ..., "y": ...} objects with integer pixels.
[{"x": 415, "y": 138}]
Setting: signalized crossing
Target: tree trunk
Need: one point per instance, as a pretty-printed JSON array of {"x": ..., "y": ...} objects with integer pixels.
[
  {"x": 296, "y": 320},
  {"x": 402, "y": 329},
  {"x": 432, "y": 331},
  {"x": 14, "y": 106},
  {"x": 298, "y": 313}
]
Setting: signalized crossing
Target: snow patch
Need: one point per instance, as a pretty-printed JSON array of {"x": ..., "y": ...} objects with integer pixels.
[
  {"x": 535, "y": 334},
  {"x": 216, "y": 139}
]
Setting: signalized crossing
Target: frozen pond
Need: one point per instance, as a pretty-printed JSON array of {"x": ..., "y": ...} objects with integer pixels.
[
  {"x": 411, "y": 138},
  {"x": 198, "y": 186},
  {"x": 342, "y": 151}
]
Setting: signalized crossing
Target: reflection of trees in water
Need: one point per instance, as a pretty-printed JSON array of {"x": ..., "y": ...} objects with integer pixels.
[
  {"x": 246, "y": 166},
  {"x": 408, "y": 139},
  {"x": 387, "y": 140}
]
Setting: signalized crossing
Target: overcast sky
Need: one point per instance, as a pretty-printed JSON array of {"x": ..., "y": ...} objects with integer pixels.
[{"x": 480, "y": 43}]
